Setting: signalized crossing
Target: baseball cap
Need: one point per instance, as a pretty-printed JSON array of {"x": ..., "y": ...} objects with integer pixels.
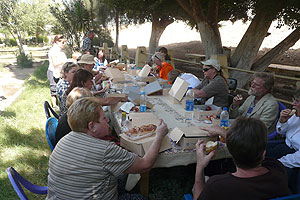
[{"x": 211, "y": 62}]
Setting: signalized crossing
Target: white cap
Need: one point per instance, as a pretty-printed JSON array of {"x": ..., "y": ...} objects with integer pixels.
[{"x": 213, "y": 63}]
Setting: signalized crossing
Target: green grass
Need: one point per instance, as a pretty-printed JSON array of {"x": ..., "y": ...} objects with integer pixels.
[{"x": 23, "y": 143}]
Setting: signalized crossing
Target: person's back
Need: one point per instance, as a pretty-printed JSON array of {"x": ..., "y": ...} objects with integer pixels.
[
  {"x": 270, "y": 185},
  {"x": 256, "y": 177}
]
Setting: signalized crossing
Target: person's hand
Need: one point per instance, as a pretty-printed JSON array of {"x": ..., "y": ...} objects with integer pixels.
[
  {"x": 124, "y": 99},
  {"x": 162, "y": 129},
  {"x": 214, "y": 130},
  {"x": 98, "y": 78},
  {"x": 237, "y": 100},
  {"x": 202, "y": 158},
  {"x": 285, "y": 115}
]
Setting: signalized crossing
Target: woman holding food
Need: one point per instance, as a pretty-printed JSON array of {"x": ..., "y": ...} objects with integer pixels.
[{"x": 288, "y": 152}]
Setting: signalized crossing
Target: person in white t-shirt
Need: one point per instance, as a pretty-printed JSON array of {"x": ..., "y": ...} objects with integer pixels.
[{"x": 56, "y": 60}]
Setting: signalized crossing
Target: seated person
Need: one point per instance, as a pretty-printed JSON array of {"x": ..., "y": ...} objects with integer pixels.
[
  {"x": 84, "y": 166},
  {"x": 188, "y": 77},
  {"x": 288, "y": 152},
  {"x": 84, "y": 78},
  {"x": 68, "y": 70},
  {"x": 63, "y": 127},
  {"x": 256, "y": 177},
  {"x": 100, "y": 60},
  {"x": 157, "y": 59},
  {"x": 260, "y": 104},
  {"x": 87, "y": 62},
  {"x": 213, "y": 85}
]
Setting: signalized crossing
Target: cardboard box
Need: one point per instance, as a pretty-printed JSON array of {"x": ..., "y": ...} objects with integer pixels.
[
  {"x": 173, "y": 100},
  {"x": 116, "y": 107},
  {"x": 152, "y": 88},
  {"x": 201, "y": 112},
  {"x": 115, "y": 95},
  {"x": 140, "y": 147},
  {"x": 114, "y": 75},
  {"x": 149, "y": 79},
  {"x": 143, "y": 118},
  {"x": 187, "y": 137},
  {"x": 148, "y": 104},
  {"x": 121, "y": 66},
  {"x": 145, "y": 71},
  {"x": 179, "y": 88}
]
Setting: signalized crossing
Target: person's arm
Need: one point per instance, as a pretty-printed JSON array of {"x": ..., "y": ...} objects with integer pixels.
[
  {"x": 270, "y": 114},
  {"x": 215, "y": 130},
  {"x": 107, "y": 101},
  {"x": 145, "y": 163},
  {"x": 291, "y": 160},
  {"x": 199, "y": 93},
  {"x": 202, "y": 162}
]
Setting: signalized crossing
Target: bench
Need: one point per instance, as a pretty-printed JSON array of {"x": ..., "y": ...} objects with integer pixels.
[{"x": 195, "y": 57}]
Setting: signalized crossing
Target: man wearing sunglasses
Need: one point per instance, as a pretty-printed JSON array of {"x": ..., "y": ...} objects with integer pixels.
[
  {"x": 213, "y": 85},
  {"x": 260, "y": 104}
]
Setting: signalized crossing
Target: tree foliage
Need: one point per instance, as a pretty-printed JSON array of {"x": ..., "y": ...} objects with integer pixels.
[{"x": 207, "y": 14}]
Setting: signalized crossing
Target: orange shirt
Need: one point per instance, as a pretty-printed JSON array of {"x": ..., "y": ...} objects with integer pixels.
[{"x": 164, "y": 71}]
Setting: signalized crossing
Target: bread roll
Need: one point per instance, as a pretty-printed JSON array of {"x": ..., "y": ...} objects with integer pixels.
[
  {"x": 292, "y": 112},
  {"x": 210, "y": 146}
]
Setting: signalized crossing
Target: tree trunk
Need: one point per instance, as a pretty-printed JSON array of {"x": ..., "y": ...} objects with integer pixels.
[
  {"x": 262, "y": 63},
  {"x": 211, "y": 39},
  {"x": 158, "y": 27},
  {"x": 247, "y": 50},
  {"x": 37, "y": 33},
  {"x": 117, "y": 31}
]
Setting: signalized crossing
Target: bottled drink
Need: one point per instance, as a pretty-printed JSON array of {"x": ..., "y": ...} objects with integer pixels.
[
  {"x": 224, "y": 117},
  {"x": 143, "y": 102},
  {"x": 134, "y": 81},
  {"x": 189, "y": 104},
  {"x": 123, "y": 119}
]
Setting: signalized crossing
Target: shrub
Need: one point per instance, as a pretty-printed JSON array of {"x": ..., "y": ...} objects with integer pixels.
[
  {"x": 12, "y": 42},
  {"x": 23, "y": 60}
]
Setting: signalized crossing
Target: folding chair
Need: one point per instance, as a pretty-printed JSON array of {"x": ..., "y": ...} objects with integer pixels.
[
  {"x": 51, "y": 126},
  {"x": 17, "y": 180},
  {"x": 49, "y": 109}
]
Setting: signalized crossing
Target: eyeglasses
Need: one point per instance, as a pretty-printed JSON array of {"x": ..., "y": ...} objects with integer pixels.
[
  {"x": 206, "y": 69},
  {"x": 255, "y": 84},
  {"x": 296, "y": 100}
]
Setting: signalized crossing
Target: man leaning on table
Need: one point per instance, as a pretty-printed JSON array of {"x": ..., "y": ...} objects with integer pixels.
[
  {"x": 256, "y": 177},
  {"x": 84, "y": 165},
  {"x": 260, "y": 104}
]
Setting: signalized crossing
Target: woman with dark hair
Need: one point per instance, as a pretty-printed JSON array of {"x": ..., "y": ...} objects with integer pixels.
[
  {"x": 67, "y": 73},
  {"x": 83, "y": 78},
  {"x": 100, "y": 60},
  {"x": 56, "y": 60}
]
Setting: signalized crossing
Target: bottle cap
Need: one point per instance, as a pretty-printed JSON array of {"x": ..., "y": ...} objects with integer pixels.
[
  {"x": 225, "y": 108},
  {"x": 143, "y": 93},
  {"x": 190, "y": 87}
]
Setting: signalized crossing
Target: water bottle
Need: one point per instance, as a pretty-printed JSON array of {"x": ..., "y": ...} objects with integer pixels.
[
  {"x": 189, "y": 104},
  {"x": 134, "y": 82},
  {"x": 224, "y": 117},
  {"x": 143, "y": 102}
]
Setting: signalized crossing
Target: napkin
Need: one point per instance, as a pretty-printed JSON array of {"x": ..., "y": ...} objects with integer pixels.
[{"x": 126, "y": 107}]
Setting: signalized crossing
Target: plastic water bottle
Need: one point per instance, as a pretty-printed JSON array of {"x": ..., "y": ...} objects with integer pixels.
[
  {"x": 134, "y": 82},
  {"x": 143, "y": 102},
  {"x": 224, "y": 117},
  {"x": 189, "y": 104}
]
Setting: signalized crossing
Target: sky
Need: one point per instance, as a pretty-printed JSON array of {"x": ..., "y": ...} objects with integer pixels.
[{"x": 231, "y": 34}]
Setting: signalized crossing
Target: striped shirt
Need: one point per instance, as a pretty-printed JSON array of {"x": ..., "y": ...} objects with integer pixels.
[{"x": 84, "y": 167}]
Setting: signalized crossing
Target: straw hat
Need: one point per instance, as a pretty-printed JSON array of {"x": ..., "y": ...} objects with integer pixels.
[{"x": 87, "y": 59}]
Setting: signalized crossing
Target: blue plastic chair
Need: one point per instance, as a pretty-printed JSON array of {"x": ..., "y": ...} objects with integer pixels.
[
  {"x": 290, "y": 197},
  {"x": 273, "y": 134},
  {"x": 48, "y": 109},
  {"x": 16, "y": 180},
  {"x": 51, "y": 126},
  {"x": 187, "y": 197}
]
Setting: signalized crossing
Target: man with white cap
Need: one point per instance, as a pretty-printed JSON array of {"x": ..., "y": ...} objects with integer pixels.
[{"x": 213, "y": 85}]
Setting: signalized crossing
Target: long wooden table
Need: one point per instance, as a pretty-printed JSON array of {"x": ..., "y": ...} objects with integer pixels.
[{"x": 173, "y": 116}]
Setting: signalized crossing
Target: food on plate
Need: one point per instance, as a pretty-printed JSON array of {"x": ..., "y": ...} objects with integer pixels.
[
  {"x": 210, "y": 146},
  {"x": 292, "y": 112},
  {"x": 141, "y": 130}
]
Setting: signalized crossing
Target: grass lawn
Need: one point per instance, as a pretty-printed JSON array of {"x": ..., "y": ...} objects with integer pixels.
[{"x": 23, "y": 144}]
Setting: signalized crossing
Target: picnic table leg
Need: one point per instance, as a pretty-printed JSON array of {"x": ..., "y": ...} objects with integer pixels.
[{"x": 144, "y": 184}]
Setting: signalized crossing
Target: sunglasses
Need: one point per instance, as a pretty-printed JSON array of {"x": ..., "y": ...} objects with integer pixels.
[
  {"x": 296, "y": 100},
  {"x": 206, "y": 69}
]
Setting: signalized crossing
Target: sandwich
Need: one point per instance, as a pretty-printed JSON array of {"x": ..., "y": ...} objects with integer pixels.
[
  {"x": 292, "y": 112},
  {"x": 211, "y": 146}
]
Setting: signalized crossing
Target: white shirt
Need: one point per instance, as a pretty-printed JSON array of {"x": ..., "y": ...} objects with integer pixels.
[
  {"x": 56, "y": 55},
  {"x": 291, "y": 130}
]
